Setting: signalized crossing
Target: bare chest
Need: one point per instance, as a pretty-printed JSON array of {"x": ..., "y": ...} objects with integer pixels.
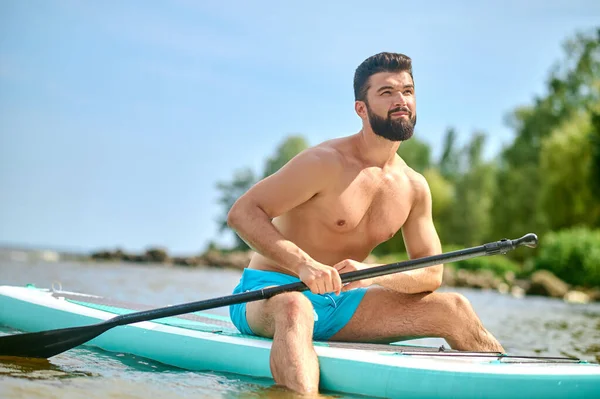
[{"x": 371, "y": 209}]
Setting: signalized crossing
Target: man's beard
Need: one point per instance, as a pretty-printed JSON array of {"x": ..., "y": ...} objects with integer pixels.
[{"x": 393, "y": 129}]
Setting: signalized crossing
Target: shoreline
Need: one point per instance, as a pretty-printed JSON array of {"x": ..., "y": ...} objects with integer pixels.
[{"x": 540, "y": 282}]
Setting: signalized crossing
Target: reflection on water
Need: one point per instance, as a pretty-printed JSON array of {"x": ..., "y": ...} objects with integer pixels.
[
  {"x": 530, "y": 326},
  {"x": 35, "y": 369},
  {"x": 124, "y": 376}
]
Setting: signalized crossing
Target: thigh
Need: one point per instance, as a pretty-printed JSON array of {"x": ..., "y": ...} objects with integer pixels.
[
  {"x": 386, "y": 316},
  {"x": 263, "y": 315},
  {"x": 258, "y": 319}
]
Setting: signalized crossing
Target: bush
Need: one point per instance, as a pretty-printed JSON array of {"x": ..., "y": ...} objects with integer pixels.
[
  {"x": 573, "y": 255},
  {"x": 499, "y": 264}
]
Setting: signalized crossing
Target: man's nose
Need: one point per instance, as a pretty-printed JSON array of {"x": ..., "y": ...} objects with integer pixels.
[{"x": 399, "y": 100}]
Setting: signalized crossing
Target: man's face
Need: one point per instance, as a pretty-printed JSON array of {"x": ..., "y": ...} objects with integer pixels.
[{"x": 391, "y": 105}]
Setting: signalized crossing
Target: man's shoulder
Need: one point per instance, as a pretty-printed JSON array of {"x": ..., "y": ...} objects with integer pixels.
[
  {"x": 418, "y": 183},
  {"x": 322, "y": 161},
  {"x": 412, "y": 175},
  {"x": 417, "y": 179},
  {"x": 327, "y": 154}
]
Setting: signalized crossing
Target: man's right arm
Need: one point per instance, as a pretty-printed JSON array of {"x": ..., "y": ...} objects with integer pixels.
[{"x": 303, "y": 177}]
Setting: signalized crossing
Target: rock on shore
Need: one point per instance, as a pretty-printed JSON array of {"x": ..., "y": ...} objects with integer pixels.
[{"x": 234, "y": 259}]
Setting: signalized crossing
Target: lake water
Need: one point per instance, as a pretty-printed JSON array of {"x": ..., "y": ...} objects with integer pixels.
[{"x": 528, "y": 326}]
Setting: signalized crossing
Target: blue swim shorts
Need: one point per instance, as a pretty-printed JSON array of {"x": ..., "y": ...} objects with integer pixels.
[{"x": 331, "y": 312}]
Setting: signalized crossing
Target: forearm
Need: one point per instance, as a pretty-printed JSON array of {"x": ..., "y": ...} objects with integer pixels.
[
  {"x": 414, "y": 281},
  {"x": 254, "y": 226}
]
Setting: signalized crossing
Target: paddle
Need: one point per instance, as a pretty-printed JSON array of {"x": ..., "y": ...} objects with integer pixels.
[{"x": 45, "y": 344}]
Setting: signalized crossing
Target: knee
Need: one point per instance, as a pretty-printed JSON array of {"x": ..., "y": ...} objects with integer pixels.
[
  {"x": 293, "y": 307},
  {"x": 457, "y": 304}
]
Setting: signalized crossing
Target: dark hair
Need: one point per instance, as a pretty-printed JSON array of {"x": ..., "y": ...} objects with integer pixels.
[{"x": 382, "y": 62}]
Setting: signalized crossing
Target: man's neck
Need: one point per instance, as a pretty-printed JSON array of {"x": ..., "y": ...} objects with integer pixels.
[{"x": 375, "y": 150}]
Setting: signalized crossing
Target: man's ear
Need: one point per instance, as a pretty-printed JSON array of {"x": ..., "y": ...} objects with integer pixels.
[{"x": 361, "y": 109}]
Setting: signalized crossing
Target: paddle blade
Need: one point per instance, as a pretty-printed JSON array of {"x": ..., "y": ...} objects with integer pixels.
[{"x": 45, "y": 344}]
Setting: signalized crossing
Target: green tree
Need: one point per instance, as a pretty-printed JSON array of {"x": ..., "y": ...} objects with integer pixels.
[
  {"x": 470, "y": 219},
  {"x": 449, "y": 160},
  {"x": 244, "y": 179},
  {"x": 595, "y": 150},
  {"x": 572, "y": 87},
  {"x": 566, "y": 157},
  {"x": 289, "y": 148},
  {"x": 416, "y": 154},
  {"x": 241, "y": 182}
]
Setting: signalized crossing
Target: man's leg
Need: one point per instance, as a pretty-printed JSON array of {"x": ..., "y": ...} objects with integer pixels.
[
  {"x": 288, "y": 319},
  {"x": 387, "y": 316}
]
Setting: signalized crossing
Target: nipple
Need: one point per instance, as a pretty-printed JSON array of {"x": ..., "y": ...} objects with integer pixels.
[{"x": 341, "y": 222}]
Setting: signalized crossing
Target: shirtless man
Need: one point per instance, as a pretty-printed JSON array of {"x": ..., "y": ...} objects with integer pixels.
[{"x": 322, "y": 214}]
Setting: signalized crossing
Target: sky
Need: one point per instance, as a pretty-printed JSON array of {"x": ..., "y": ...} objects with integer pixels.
[{"x": 117, "y": 119}]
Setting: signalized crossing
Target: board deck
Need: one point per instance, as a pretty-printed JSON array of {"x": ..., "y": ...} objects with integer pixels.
[{"x": 208, "y": 322}]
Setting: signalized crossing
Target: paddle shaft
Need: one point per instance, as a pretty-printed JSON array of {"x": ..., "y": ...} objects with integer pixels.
[
  {"x": 45, "y": 344},
  {"x": 493, "y": 248}
]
